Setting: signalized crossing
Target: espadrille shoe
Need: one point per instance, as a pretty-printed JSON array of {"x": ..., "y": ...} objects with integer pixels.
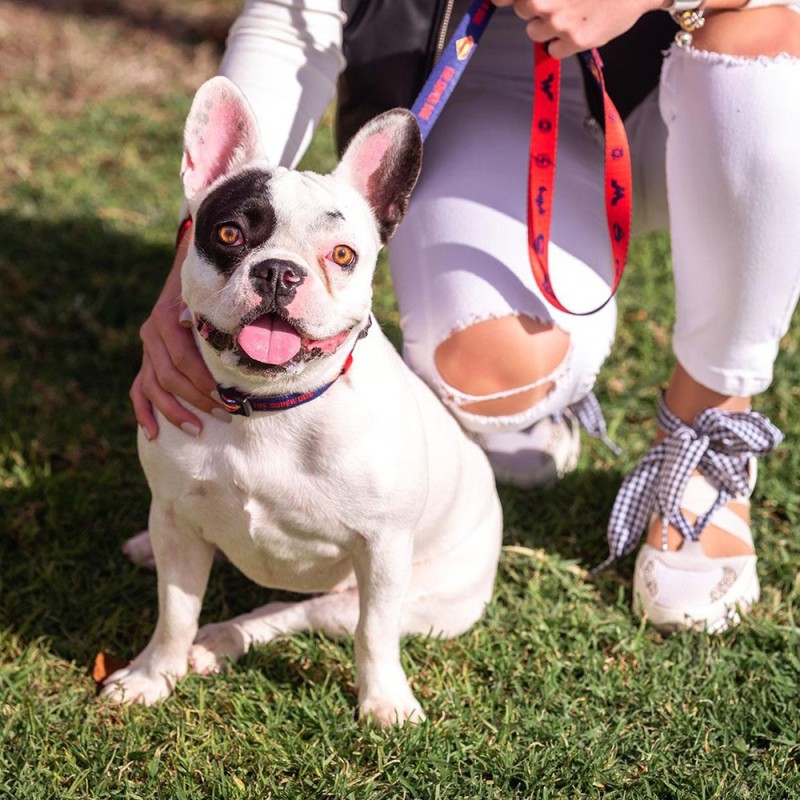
[
  {"x": 698, "y": 469},
  {"x": 685, "y": 589}
]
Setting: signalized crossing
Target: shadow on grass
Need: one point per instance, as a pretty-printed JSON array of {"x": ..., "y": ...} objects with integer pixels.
[
  {"x": 569, "y": 521},
  {"x": 74, "y": 293}
]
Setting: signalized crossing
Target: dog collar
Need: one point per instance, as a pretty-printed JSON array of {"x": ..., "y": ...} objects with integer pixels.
[
  {"x": 236, "y": 402},
  {"x": 245, "y": 405}
]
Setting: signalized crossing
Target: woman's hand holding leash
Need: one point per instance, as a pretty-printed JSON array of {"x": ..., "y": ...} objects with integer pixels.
[{"x": 571, "y": 26}]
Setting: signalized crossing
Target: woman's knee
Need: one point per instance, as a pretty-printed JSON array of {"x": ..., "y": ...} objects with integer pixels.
[{"x": 502, "y": 366}]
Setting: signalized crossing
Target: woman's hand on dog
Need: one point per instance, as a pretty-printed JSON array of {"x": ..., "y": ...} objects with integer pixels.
[{"x": 172, "y": 366}]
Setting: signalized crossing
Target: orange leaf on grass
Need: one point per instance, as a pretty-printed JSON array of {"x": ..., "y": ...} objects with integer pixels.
[{"x": 105, "y": 665}]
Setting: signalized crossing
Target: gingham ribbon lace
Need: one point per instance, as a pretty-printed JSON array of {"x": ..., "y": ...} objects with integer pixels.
[
  {"x": 590, "y": 416},
  {"x": 718, "y": 444}
]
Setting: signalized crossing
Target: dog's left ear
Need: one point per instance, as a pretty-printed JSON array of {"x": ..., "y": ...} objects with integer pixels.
[
  {"x": 382, "y": 162},
  {"x": 221, "y": 134}
]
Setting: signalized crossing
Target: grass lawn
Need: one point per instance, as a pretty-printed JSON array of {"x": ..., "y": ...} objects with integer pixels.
[{"x": 558, "y": 692}]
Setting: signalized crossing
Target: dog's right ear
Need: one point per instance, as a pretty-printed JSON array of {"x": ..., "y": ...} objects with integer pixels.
[{"x": 221, "y": 134}]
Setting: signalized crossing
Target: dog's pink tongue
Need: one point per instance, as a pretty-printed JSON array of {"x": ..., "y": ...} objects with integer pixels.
[{"x": 270, "y": 340}]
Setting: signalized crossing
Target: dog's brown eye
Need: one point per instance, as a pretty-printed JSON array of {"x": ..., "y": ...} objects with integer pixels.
[
  {"x": 343, "y": 256},
  {"x": 229, "y": 235}
]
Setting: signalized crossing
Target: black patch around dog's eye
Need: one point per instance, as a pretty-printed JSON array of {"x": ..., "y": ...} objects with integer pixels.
[{"x": 243, "y": 201}]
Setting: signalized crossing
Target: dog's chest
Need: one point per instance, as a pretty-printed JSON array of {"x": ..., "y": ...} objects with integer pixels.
[{"x": 274, "y": 510}]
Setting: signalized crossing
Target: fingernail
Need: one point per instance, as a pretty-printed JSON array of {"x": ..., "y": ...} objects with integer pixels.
[
  {"x": 221, "y": 414},
  {"x": 190, "y": 428},
  {"x": 215, "y": 396},
  {"x": 185, "y": 317},
  {"x": 147, "y": 434}
]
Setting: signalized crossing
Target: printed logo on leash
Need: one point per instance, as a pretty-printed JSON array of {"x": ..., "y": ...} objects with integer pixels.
[{"x": 464, "y": 47}]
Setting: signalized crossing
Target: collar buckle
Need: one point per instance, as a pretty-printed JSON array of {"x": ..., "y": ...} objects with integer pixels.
[{"x": 235, "y": 402}]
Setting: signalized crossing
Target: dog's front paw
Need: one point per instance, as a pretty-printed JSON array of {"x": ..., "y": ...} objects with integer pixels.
[
  {"x": 140, "y": 685},
  {"x": 214, "y": 646},
  {"x": 389, "y": 711}
]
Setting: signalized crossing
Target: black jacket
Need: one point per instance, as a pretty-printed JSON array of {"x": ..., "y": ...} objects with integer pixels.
[{"x": 391, "y": 46}]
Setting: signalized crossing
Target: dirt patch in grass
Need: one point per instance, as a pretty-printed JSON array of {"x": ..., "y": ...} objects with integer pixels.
[{"x": 69, "y": 52}]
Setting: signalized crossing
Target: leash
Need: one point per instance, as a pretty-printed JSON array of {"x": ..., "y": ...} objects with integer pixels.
[
  {"x": 543, "y": 144},
  {"x": 542, "y": 169},
  {"x": 451, "y": 65}
]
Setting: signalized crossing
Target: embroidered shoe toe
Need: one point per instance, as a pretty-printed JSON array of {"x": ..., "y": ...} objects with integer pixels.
[{"x": 686, "y": 590}]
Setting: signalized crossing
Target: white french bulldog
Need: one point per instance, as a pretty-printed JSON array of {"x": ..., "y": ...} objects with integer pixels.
[{"x": 353, "y": 485}]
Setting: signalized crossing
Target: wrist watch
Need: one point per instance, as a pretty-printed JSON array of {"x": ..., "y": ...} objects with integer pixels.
[{"x": 689, "y": 15}]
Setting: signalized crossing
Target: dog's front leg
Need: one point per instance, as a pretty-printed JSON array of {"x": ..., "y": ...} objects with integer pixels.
[
  {"x": 383, "y": 571},
  {"x": 183, "y": 562}
]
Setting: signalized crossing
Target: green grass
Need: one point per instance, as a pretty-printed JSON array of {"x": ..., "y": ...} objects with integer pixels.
[{"x": 558, "y": 692}]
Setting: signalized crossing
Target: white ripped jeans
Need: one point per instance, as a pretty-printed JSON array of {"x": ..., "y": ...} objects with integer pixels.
[
  {"x": 715, "y": 162},
  {"x": 717, "y": 139}
]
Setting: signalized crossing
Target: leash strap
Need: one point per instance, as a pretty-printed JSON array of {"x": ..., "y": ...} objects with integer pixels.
[
  {"x": 543, "y": 144},
  {"x": 542, "y": 170},
  {"x": 451, "y": 65}
]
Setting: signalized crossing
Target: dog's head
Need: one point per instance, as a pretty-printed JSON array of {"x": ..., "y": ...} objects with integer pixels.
[{"x": 279, "y": 273}]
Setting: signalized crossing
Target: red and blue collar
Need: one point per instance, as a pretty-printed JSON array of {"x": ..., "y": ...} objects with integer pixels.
[{"x": 236, "y": 402}]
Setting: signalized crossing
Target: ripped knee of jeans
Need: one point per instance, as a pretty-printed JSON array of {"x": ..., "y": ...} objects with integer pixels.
[{"x": 502, "y": 373}]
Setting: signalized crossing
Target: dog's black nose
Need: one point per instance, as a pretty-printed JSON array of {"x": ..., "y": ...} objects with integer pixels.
[{"x": 276, "y": 278}]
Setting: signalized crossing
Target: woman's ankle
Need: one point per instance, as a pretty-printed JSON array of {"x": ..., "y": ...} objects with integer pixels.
[{"x": 686, "y": 398}]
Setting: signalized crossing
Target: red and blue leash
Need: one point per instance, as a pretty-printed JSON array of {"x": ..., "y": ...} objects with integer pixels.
[{"x": 543, "y": 144}]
